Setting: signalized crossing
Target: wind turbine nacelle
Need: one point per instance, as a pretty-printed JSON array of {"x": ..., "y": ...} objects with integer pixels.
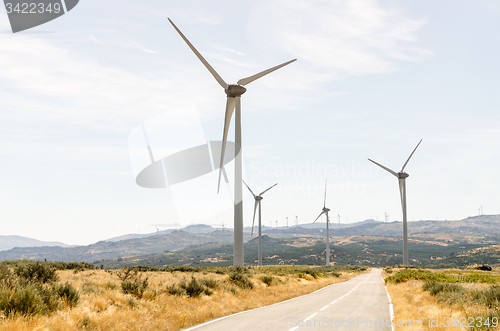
[
  {"x": 403, "y": 175},
  {"x": 235, "y": 90}
]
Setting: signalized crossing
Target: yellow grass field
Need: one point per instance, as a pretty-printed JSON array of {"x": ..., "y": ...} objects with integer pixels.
[
  {"x": 104, "y": 307},
  {"x": 413, "y": 305}
]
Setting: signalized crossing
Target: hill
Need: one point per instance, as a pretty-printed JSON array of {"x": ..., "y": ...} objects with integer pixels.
[
  {"x": 109, "y": 250},
  {"x": 9, "y": 242}
]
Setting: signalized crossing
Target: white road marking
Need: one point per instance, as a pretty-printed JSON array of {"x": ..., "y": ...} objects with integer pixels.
[{"x": 324, "y": 307}]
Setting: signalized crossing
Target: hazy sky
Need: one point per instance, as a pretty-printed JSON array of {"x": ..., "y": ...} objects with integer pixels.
[{"x": 372, "y": 78}]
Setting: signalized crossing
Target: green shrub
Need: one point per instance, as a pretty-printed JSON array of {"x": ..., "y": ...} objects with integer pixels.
[
  {"x": 7, "y": 279},
  {"x": 477, "y": 278},
  {"x": 208, "y": 291},
  {"x": 194, "y": 288},
  {"x": 86, "y": 323},
  {"x": 68, "y": 293},
  {"x": 489, "y": 297},
  {"x": 268, "y": 280},
  {"x": 450, "y": 293},
  {"x": 26, "y": 301},
  {"x": 135, "y": 287},
  {"x": 175, "y": 290},
  {"x": 484, "y": 267},
  {"x": 210, "y": 283},
  {"x": 240, "y": 280},
  {"x": 5, "y": 300},
  {"x": 49, "y": 297},
  {"x": 435, "y": 288},
  {"x": 405, "y": 275},
  {"x": 127, "y": 273},
  {"x": 36, "y": 272}
]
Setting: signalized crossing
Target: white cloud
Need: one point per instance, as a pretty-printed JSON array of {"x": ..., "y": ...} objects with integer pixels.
[{"x": 340, "y": 38}]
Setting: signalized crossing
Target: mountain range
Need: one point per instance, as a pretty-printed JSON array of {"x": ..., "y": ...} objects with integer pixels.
[{"x": 196, "y": 237}]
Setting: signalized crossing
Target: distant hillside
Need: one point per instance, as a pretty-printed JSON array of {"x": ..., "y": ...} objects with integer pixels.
[
  {"x": 481, "y": 255},
  {"x": 9, "y": 242},
  {"x": 110, "y": 250},
  {"x": 480, "y": 230},
  {"x": 196, "y": 228},
  {"x": 366, "y": 250}
]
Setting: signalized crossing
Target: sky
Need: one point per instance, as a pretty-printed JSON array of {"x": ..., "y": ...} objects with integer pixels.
[{"x": 371, "y": 79}]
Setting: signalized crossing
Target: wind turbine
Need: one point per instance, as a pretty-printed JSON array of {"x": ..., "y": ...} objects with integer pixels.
[
  {"x": 258, "y": 199},
  {"x": 325, "y": 211},
  {"x": 233, "y": 92},
  {"x": 338, "y": 215},
  {"x": 402, "y": 192}
]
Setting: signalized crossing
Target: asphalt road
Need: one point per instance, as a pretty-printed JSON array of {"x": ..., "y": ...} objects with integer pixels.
[{"x": 362, "y": 303}]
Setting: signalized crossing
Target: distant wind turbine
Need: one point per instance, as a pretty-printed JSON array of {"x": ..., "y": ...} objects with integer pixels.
[
  {"x": 402, "y": 191},
  {"x": 233, "y": 92},
  {"x": 325, "y": 211},
  {"x": 258, "y": 199}
]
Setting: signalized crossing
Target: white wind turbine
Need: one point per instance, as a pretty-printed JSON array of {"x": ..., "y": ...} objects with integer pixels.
[
  {"x": 258, "y": 199},
  {"x": 233, "y": 92},
  {"x": 325, "y": 211},
  {"x": 402, "y": 192}
]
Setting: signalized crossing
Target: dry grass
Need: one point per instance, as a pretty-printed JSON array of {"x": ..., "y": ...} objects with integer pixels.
[
  {"x": 103, "y": 306},
  {"x": 412, "y": 303}
]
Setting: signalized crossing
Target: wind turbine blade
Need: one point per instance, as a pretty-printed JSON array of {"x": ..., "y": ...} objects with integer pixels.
[
  {"x": 254, "y": 210},
  {"x": 268, "y": 189},
  {"x": 411, "y": 155},
  {"x": 248, "y": 189},
  {"x": 324, "y": 204},
  {"x": 318, "y": 217},
  {"x": 225, "y": 174},
  {"x": 392, "y": 172},
  {"x": 247, "y": 80},
  {"x": 229, "y": 113},
  {"x": 202, "y": 59}
]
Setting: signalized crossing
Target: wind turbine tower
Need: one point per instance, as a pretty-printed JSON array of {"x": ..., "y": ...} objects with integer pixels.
[
  {"x": 234, "y": 93},
  {"x": 258, "y": 199},
  {"x": 325, "y": 211},
  {"x": 402, "y": 191}
]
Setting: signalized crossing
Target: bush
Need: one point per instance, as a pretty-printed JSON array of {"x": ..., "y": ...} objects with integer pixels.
[
  {"x": 268, "y": 280},
  {"x": 25, "y": 301},
  {"x": 194, "y": 289},
  {"x": 36, "y": 272},
  {"x": 69, "y": 294},
  {"x": 240, "y": 280},
  {"x": 490, "y": 297},
  {"x": 135, "y": 287},
  {"x": 484, "y": 267},
  {"x": 435, "y": 288},
  {"x": 127, "y": 273},
  {"x": 405, "y": 275},
  {"x": 176, "y": 290},
  {"x": 7, "y": 280},
  {"x": 50, "y": 297},
  {"x": 210, "y": 283}
]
